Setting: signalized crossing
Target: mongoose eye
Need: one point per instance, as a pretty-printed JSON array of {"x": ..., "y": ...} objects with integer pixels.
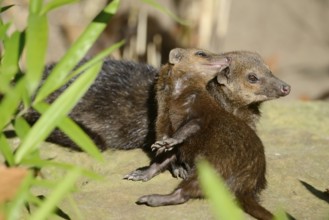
[
  {"x": 252, "y": 78},
  {"x": 201, "y": 54}
]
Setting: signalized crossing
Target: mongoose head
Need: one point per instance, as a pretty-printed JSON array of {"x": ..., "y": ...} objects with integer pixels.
[
  {"x": 248, "y": 79},
  {"x": 197, "y": 63}
]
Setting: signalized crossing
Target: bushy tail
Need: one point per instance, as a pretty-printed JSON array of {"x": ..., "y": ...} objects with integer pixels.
[{"x": 251, "y": 206}]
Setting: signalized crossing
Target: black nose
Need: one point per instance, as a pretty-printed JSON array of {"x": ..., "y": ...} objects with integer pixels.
[{"x": 285, "y": 89}]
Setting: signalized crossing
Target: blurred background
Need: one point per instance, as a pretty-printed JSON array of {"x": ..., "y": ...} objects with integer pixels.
[{"x": 292, "y": 36}]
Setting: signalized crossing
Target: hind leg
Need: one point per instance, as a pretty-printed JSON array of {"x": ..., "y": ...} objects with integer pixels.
[
  {"x": 147, "y": 173},
  {"x": 186, "y": 190},
  {"x": 154, "y": 200}
]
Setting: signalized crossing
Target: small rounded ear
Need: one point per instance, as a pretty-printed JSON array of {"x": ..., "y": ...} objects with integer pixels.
[
  {"x": 175, "y": 55},
  {"x": 223, "y": 76}
]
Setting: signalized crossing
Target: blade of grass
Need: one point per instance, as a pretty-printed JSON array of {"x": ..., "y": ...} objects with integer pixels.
[
  {"x": 166, "y": 11},
  {"x": 5, "y": 8},
  {"x": 36, "y": 47},
  {"x": 100, "y": 56},
  {"x": 73, "y": 131},
  {"x": 10, "y": 103},
  {"x": 219, "y": 197},
  {"x": 35, "y": 6},
  {"x": 281, "y": 215},
  {"x": 6, "y": 150},
  {"x": 55, "y": 4},
  {"x": 22, "y": 128},
  {"x": 13, "y": 50},
  {"x": 49, "y": 184},
  {"x": 59, "y": 109},
  {"x": 75, "y": 208},
  {"x": 77, "y": 51},
  {"x": 37, "y": 162},
  {"x": 3, "y": 30},
  {"x": 34, "y": 199},
  {"x": 62, "y": 189}
]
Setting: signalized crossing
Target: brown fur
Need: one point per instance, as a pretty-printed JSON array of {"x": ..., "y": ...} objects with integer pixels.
[
  {"x": 238, "y": 96},
  {"x": 192, "y": 124},
  {"x": 188, "y": 68}
]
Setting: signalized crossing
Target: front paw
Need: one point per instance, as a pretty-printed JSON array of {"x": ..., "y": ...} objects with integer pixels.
[
  {"x": 164, "y": 145},
  {"x": 140, "y": 174}
]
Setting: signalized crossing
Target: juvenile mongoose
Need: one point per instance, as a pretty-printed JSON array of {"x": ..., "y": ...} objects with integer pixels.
[
  {"x": 223, "y": 139},
  {"x": 197, "y": 69},
  {"x": 248, "y": 75}
]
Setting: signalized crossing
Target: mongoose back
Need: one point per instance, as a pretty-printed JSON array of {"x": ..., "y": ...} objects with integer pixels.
[
  {"x": 211, "y": 132},
  {"x": 119, "y": 109}
]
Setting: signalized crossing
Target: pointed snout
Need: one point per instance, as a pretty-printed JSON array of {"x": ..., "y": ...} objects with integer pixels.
[{"x": 285, "y": 89}]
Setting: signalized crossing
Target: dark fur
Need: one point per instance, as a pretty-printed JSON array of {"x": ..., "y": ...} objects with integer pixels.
[
  {"x": 192, "y": 124},
  {"x": 119, "y": 109}
]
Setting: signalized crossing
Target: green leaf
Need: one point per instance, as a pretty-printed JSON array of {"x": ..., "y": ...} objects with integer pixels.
[
  {"x": 62, "y": 189},
  {"x": 37, "y": 162},
  {"x": 36, "y": 47},
  {"x": 166, "y": 11},
  {"x": 5, "y": 8},
  {"x": 215, "y": 190},
  {"x": 22, "y": 128},
  {"x": 35, "y": 6},
  {"x": 58, "y": 110},
  {"x": 10, "y": 103},
  {"x": 6, "y": 150},
  {"x": 77, "y": 51},
  {"x": 49, "y": 184},
  {"x": 55, "y": 4},
  {"x": 12, "y": 52},
  {"x": 280, "y": 215},
  {"x": 73, "y": 131},
  {"x": 99, "y": 57},
  {"x": 16, "y": 205},
  {"x": 74, "y": 207},
  {"x": 3, "y": 30},
  {"x": 34, "y": 199}
]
